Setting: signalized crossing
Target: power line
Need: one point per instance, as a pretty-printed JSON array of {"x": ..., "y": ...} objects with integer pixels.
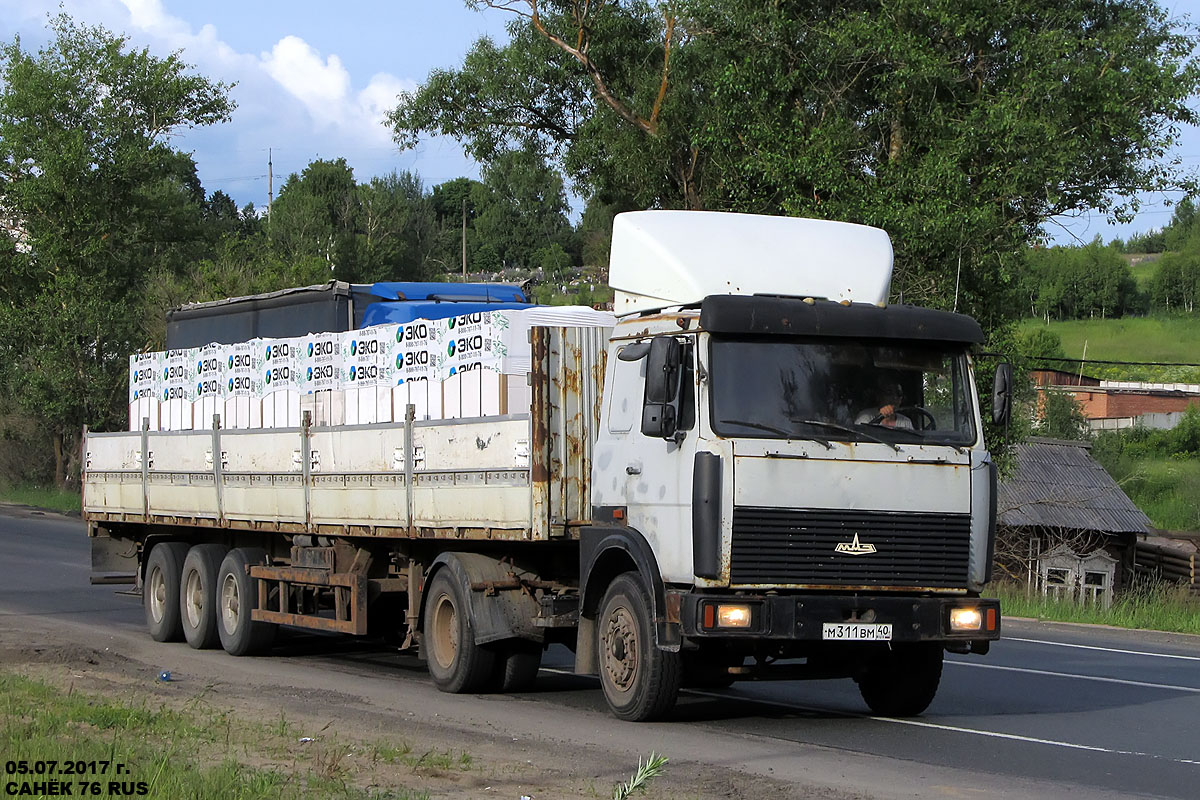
[{"x": 1116, "y": 363}]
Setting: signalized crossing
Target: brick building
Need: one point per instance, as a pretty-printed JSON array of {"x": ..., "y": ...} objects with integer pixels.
[{"x": 1118, "y": 400}]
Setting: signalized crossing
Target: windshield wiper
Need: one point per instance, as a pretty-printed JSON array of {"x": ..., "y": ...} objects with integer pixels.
[
  {"x": 772, "y": 429},
  {"x": 845, "y": 429}
]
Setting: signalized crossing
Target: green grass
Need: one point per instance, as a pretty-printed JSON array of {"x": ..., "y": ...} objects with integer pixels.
[
  {"x": 1159, "y": 608},
  {"x": 1156, "y": 338},
  {"x": 1167, "y": 490},
  {"x": 60, "y": 500},
  {"x": 168, "y": 753}
]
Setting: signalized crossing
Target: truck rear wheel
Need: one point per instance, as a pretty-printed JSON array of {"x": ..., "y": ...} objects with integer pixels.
[
  {"x": 237, "y": 596},
  {"x": 160, "y": 593},
  {"x": 517, "y": 665},
  {"x": 903, "y": 681},
  {"x": 640, "y": 681},
  {"x": 456, "y": 662},
  {"x": 198, "y": 595}
]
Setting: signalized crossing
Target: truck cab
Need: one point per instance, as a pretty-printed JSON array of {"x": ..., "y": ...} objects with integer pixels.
[{"x": 801, "y": 481}]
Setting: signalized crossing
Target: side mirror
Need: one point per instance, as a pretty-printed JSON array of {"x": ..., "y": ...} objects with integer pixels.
[
  {"x": 660, "y": 408},
  {"x": 659, "y": 420},
  {"x": 634, "y": 352},
  {"x": 662, "y": 370},
  {"x": 1002, "y": 394}
]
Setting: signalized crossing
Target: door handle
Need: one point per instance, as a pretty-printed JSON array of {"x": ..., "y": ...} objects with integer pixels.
[{"x": 634, "y": 469}]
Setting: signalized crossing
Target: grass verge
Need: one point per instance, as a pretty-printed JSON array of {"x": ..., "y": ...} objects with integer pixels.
[
  {"x": 1158, "y": 608},
  {"x": 63, "y": 501},
  {"x": 192, "y": 752}
]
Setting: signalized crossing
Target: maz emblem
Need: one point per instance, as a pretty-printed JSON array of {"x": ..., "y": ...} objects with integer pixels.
[{"x": 854, "y": 548}]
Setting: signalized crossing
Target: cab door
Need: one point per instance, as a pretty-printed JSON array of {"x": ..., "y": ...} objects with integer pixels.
[{"x": 644, "y": 455}]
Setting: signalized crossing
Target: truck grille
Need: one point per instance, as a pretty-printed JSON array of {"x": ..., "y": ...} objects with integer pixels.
[{"x": 789, "y": 546}]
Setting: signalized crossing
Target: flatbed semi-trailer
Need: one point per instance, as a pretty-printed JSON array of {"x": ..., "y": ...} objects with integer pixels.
[{"x": 694, "y": 496}]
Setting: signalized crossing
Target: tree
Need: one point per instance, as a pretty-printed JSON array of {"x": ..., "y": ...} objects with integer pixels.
[
  {"x": 396, "y": 229},
  {"x": 526, "y": 209},
  {"x": 312, "y": 221},
  {"x": 1182, "y": 226},
  {"x": 1176, "y": 282},
  {"x": 961, "y": 128},
  {"x": 1060, "y": 416},
  {"x": 97, "y": 198},
  {"x": 1078, "y": 282},
  {"x": 1040, "y": 344}
]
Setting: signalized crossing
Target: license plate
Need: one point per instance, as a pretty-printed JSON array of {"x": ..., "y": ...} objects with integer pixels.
[{"x": 857, "y": 631}]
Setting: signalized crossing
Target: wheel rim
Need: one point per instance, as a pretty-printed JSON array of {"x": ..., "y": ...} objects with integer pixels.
[
  {"x": 157, "y": 592},
  {"x": 230, "y": 603},
  {"x": 619, "y": 648},
  {"x": 193, "y": 599},
  {"x": 445, "y": 631}
]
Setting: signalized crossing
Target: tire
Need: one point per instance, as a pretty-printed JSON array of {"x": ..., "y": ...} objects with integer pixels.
[
  {"x": 903, "y": 681},
  {"x": 160, "y": 592},
  {"x": 237, "y": 596},
  {"x": 198, "y": 595},
  {"x": 455, "y": 661},
  {"x": 640, "y": 681},
  {"x": 517, "y": 665}
]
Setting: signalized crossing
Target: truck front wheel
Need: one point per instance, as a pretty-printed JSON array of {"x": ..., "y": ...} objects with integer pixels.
[
  {"x": 237, "y": 597},
  {"x": 902, "y": 682},
  {"x": 640, "y": 681},
  {"x": 456, "y": 662},
  {"x": 160, "y": 593}
]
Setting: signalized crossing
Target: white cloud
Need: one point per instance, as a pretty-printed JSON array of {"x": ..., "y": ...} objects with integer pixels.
[{"x": 321, "y": 84}]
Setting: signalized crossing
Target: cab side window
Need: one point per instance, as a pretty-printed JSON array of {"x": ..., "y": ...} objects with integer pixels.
[{"x": 628, "y": 378}]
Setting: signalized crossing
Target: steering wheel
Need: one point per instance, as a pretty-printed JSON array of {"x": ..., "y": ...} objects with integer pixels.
[{"x": 930, "y": 422}]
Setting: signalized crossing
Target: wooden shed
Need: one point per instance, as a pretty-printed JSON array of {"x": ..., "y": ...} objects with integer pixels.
[{"x": 1064, "y": 525}]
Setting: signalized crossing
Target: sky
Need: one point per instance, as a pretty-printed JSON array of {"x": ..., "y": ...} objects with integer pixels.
[{"x": 315, "y": 79}]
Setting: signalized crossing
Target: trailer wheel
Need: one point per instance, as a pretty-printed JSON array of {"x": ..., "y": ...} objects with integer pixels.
[
  {"x": 517, "y": 665},
  {"x": 903, "y": 681},
  {"x": 640, "y": 681},
  {"x": 456, "y": 662},
  {"x": 161, "y": 591},
  {"x": 198, "y": 595},
  {"x": 237, "y": 596}
]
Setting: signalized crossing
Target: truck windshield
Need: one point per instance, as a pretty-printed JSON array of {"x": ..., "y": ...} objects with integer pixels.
[{"x": 845, "y": 390}]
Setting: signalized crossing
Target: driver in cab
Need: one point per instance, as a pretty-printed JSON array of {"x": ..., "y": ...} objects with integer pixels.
[{"x": 890, "y": 397}]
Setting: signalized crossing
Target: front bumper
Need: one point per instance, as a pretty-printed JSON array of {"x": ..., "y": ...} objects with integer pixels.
[{"x": 801, "y": 618}]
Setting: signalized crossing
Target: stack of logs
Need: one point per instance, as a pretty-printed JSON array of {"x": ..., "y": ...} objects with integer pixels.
[{"x": 1161, "y": 562}]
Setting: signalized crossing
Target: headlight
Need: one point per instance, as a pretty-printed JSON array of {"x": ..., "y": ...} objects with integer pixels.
[
  {"x": 733, "y": 616},
  {"x": 965, "y": 619}
]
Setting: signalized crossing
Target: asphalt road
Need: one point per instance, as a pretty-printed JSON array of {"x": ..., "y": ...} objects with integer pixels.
[{"x": 1051, "y": 711}]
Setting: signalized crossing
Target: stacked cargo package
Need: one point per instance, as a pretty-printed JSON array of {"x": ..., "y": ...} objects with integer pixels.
[{"x": 473, "y": 365}]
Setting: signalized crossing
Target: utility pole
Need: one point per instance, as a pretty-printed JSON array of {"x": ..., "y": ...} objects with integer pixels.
[
  {"x": 464, "y": 239},
  {"x": 270, "y": 182}
]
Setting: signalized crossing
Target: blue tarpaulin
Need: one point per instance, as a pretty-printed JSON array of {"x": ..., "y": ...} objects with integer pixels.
[
  {"x": 450, "y": 292},
  {"x": 401, "y": 312}
]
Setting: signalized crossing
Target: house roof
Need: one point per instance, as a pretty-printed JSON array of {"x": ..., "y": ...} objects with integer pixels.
[{"x": 1057, "y": 484}]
